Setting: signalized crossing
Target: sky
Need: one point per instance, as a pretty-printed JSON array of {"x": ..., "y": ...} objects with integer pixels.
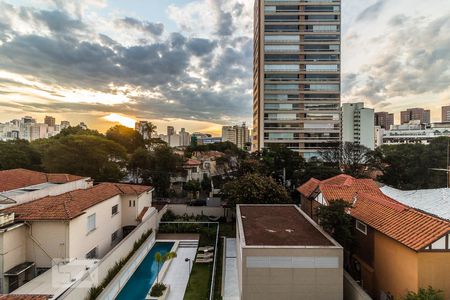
[{"x": 188, "y": 63}]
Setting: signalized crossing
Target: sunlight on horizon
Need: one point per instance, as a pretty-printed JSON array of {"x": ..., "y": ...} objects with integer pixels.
[{"x": 122, "y": 120}]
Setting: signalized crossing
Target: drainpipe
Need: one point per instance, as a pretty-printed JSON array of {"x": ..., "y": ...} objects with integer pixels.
[{"x": 36, "y": 241}]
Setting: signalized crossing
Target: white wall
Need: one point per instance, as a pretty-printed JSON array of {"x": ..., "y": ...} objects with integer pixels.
[
  {"x": 181, "y": 209},
  {"x": 106, "y": 224}
]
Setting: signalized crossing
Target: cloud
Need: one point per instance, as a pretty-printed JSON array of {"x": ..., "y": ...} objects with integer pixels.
[
  {"x": 372, "y": 12},
  {"x": 154, "y": 29},
  {"x": 169, "y": 76},
  {"x": 414, "y": 61}
]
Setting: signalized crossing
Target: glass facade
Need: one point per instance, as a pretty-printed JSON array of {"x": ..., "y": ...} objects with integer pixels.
[{"x": 297, "y": 74}]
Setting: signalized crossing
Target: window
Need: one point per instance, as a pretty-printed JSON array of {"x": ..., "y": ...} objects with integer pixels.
[
  {"x": 132, "y": 203},
  {"x": 91, "y": 223},
  {"x": 114, "y": 237},
  {"x": 115, "y": 210},
  {"x": 361, "y": 227},
  {"x": 92, "y": 254}
]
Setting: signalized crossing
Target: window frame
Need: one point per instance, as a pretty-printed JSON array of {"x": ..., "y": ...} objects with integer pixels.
[
  {"x": 359, "y": 223},
  {"x": 116, "y": 207},
  {"x": 89, "y": 228}
]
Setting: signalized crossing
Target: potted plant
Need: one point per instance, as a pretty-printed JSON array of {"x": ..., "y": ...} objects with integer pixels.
[{"x": 159, "y": 287}]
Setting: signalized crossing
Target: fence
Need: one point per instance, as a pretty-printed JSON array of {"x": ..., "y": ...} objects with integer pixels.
[{"x": 352, "y": 290}]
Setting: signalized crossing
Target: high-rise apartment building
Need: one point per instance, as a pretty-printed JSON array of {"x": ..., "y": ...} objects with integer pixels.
[
  {"x": 413, "y": 114},
  {"x": 358, "y": 125},
  {"x": 445, "y": 114},
  {"x": 384, "y": 119},
  {"x": 50, "y": 121},
  {"x": 297, "y": 79},
  {"x": 238, "y": 135}
]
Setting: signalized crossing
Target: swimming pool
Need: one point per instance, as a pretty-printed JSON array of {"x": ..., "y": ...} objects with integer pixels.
[{"x": 142, "y": 279}]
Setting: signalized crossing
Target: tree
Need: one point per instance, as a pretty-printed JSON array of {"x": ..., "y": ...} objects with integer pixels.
[
  {"x": 161, "y": 259},
  {"x": 19, "y": 154},
  {"x": 425, "y": 294},
  {"x": 77, "y": 130},
  {"x": 206, "y": 183},
  {"x": 84, "y": 155},
  {"x": 254, "y": 189},
  {"x": 350, "y": 157},
  {"x": 138, "y": 164},
  {"x": 127, "y": 137},
  {"x": 334, "y": 219},
  {"x": 149, "y": 129}
]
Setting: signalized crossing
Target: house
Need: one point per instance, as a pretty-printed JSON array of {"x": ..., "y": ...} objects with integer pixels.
[
  {"x": 20, "y": 185},
  {"x": 80, "y": 224},
  {"x": 398, "y": 248},
  {"x": 283, "y": 254}
]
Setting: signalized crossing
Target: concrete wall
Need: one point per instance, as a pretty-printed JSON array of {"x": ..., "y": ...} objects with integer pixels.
[
  {"x": 96, "y": 275},
  {"x": 47, "y": 240},
  {"x": 106, "y": 224},
  {"x": 292, "y": 273},
  {"x": 352, "y": 290},
  {"x": 434, "y": 270},
  {"x": 12, "y": 251},
  {"x": 396, "y": 267},
  {"x": 181, "y": 209}
]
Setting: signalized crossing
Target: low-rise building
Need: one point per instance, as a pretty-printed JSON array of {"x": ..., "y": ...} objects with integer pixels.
[
  {"x": 283, "y": 254},
  {"x": 415, "y": 133},
  {"x": 80, "y": 224},
  {"x": 397, "y": 248}
]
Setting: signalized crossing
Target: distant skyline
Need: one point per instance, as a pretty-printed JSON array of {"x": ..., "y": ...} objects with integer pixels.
[{"x": 189, "y": 63}]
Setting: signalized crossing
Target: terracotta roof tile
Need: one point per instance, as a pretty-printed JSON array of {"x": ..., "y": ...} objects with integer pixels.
[
  {"x": 192, "y": 162},
  {"x": 411, "y": 227},
  {"x": 309, "y": 187},
  {"x": 19, "y": 178},
  {"x": 142, "y": 213},
  {"x": 72, "y": 204}
]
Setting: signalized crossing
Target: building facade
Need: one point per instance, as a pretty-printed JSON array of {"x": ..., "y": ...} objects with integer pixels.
[
  {"x": 397, "y": 248},
  {"x": 296, "y": 91},
  {"x": 445, "y": 114},
  {"x": 283, "y": 254},
  {"x": 413, "y": 114},
  {"x": 415, "y": 133},
  {"x": 358, "y": 125},
  {"x": 238, "y": 135},
  {"x": 384, "y": 119}
]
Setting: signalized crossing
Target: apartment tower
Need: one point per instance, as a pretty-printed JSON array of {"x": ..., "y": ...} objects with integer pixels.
[
  {"x": 384, "y": 119},
  {"x": 297, "y": 79},
  {"x": 412, "y": 114}
]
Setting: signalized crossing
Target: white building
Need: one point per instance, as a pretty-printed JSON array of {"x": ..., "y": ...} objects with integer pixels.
[
  {"x": 28, "y": 129},
  {"x": 358, "y": 124},
  {"x": 84, "y": 223},
  {"x": 415, "y": 133}
]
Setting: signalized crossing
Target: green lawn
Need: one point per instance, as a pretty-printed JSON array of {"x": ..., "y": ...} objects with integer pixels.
[{"x": 199, "y": 282}]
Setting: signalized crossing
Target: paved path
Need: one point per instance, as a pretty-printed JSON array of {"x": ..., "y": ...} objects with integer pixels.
[
  {"x": 178, "y": 274},
  {"x": 231, "y": 288}
]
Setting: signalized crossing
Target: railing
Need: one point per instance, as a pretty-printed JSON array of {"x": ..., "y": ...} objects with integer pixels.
[{"x": 213, "y": 273}]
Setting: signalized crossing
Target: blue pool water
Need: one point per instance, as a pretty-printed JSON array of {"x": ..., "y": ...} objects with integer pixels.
[{"x": 140, "y": 282}]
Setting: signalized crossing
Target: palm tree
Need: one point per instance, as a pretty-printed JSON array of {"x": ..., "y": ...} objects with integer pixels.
[
  {"x": 150, "y": 129},
  {"x": 161, "y": 259}
]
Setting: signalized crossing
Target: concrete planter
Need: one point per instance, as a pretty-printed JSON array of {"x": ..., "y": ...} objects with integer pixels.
[{"x": 162, "y": 297}]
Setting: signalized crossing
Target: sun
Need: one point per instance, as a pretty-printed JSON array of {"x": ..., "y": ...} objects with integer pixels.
[{"x": 122, "y": 120}]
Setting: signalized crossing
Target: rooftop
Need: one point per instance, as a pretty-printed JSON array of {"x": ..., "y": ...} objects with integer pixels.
[
  {"x": 433, "y": 201},
  {"x": 21, "y": 178},
  {"x": 72, "y": 204},
  {"x": 413, "y": 228},
  {"x": 279, "y": 225},
  {"x": 24, "y": 297}
]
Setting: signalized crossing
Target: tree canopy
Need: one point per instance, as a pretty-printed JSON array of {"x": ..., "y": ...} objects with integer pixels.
[
  {"x": 127, "y": 137},
  {"x": 84, "y": 155},
  {"x": 336, "y": 221},
  {"x": 19, "y": 154},
  {"x": 254, "y": 189}
]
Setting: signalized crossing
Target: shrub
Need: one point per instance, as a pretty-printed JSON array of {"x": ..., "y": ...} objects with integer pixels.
[{"x": 157, "y": 290}]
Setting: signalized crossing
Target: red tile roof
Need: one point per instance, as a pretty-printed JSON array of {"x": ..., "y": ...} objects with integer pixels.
[
  {"x": 309, "y": 187},
  {"x": 411, "y": 227},
  {"x": 72, "y": 204},
  {"x": 192, "y": 162},
  {"x": 19, "y": 178},
  {"x": 142, "y": 214}
]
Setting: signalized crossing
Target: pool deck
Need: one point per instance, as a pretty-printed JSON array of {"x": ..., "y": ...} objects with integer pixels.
[{"x": 177, "y": 275}]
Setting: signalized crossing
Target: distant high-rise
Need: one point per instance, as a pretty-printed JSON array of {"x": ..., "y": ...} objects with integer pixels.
[
  {"x": 384, "y": 119},
  {"x": 65, "y": 124},
  {"x": 445, "y": 113},
  {"x": 413, "y": 114},
  {"x": 358, "y": 125},
  {"x": 170, "y": 130},
  {"x": 50, "y": 121},
  {"x": 296, "y": 90},
  {"x": 238, "y": 135}
]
